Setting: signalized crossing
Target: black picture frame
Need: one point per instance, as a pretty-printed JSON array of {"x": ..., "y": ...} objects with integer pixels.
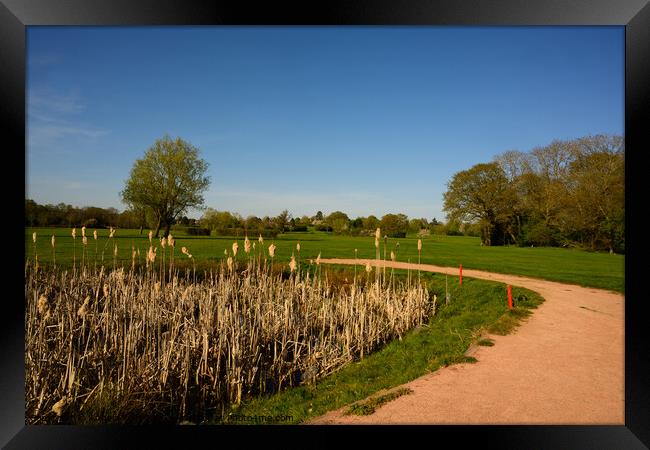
[{"x": 15, "y": 15}]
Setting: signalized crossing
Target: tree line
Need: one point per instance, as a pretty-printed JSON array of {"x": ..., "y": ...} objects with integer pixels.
[
  {"x": 570, "y": 193},
  {"x": 228, "y": 223},
  {"x": 337, "y": 222},
  {"x": 65, "y": 215}
]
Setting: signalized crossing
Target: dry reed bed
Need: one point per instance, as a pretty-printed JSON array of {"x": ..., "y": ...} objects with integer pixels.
[{"x": 133, "y": 345}]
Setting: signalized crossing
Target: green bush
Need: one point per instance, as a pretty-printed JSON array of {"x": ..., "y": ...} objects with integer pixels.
[
  {"x": 241, "y": 232},
  {"x": 196, "y": 231}
]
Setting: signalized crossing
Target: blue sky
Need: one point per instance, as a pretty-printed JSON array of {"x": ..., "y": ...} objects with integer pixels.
[{"x": 367, "y": 120}]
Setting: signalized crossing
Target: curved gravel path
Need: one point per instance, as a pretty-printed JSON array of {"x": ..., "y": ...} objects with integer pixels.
[{"x": 563, "y": 365}]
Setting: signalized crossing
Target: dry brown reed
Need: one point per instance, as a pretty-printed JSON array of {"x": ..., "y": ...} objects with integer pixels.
[{"x": 180, "y": 350}]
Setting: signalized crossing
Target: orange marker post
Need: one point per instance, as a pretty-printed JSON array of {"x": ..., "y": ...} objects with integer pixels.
[
  {"x": 461, "y": 274},
  {"x": 509, "y": 296}
]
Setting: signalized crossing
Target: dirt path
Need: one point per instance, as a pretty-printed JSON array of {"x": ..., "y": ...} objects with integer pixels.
[{"x": 564, "y": 365}]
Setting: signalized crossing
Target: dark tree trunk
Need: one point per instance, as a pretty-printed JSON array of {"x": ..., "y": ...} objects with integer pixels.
[
  {"x": 167, "y": 226},
  {"x": 157, "y": 229}
]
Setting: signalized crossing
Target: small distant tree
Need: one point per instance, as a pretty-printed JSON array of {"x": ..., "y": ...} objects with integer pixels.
[
  {"x": 394, "y": 225},
  {"x": 282, "y": 220},
  {"x": 168, "y": 180},
  {"x": 223, "y": 222},
  {"x": 357, "y": 223},
  {"x": 370, "y": 223},
  {"x": 339, "y": 221}
]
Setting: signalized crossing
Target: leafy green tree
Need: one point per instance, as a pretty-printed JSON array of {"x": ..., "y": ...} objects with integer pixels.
[
  {"x": 339, "y": 221},
  {"x": 394, "y": 225},
  {"x": 220, "y": 221},
  {"x": 282, "y": 220},
  {"x": 168, "y": 180},
  {"x": 481, "y": 194},
  {"x": 597, "y": 199},
  {"x": 370, "y": 223},
  {"x": 415, "y": 225}
]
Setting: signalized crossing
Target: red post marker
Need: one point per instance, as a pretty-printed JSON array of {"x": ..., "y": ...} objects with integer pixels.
[
  {"x": 461, "y": 274},
  {"x": 509, "y": 296}
]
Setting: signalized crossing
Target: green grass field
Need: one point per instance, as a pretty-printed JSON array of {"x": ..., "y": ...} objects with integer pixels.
[{"x": 599, "y": 270}]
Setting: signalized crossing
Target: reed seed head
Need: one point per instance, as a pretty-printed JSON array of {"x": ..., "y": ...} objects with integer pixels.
[
  {"x": 74, "y": 233},
  {"x": 419, "y": 245},
  {"x": 81, "y": 312},
  {"x": 34, "y": 237},
  {"x": 230, "y": 263},
  {"x": 112, "y": 232},
  {"x": 170, "y": 240},
  {"x": 377, "y": 241},
  {"x": 151, "y": 255},
  {"x": 292, "y": 264},
  {"x": 57, "y": 408},
  {"x": 235, "y": 247},
  {"x": 260, "y": 240},
  {"x": 115, "y": 251},
  {"x": 298, "y": 246},
  {"x": 83, "y": 231},
  {"x": 163, "y": 242},
  {"x": 84, "y": 240},
  {"x": 272, "y": 250},
  {"x": 392, "y": 256},
  {"x": 95, "y": 234},
  {"x": 185, "y": 252},
  {"x": 318, "y": 260},
  {"x": 42, "y": 304},
  {"x": 53, "y": 241},
  {"x": 247, "y": 245},
  {"x": 368, "y": 267},
  {"x": 377, "y": 233}
]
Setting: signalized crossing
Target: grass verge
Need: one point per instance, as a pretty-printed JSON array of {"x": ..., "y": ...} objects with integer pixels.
[
  {"x": 475, "y": 306},
  {"x": 365, "y": 408}
]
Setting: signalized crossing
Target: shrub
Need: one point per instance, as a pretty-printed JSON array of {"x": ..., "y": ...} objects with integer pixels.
[{"x": 196, "y": 231}]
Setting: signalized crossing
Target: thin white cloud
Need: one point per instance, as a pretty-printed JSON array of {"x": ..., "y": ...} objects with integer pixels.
[
  {"x": 44, "y": 101},
  {"x": 53, "y": 117},
  {"x": 44, "y": 134}
]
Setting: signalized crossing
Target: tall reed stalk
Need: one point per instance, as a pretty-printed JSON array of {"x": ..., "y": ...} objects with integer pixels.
[{"x": 116, "y": 345}]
